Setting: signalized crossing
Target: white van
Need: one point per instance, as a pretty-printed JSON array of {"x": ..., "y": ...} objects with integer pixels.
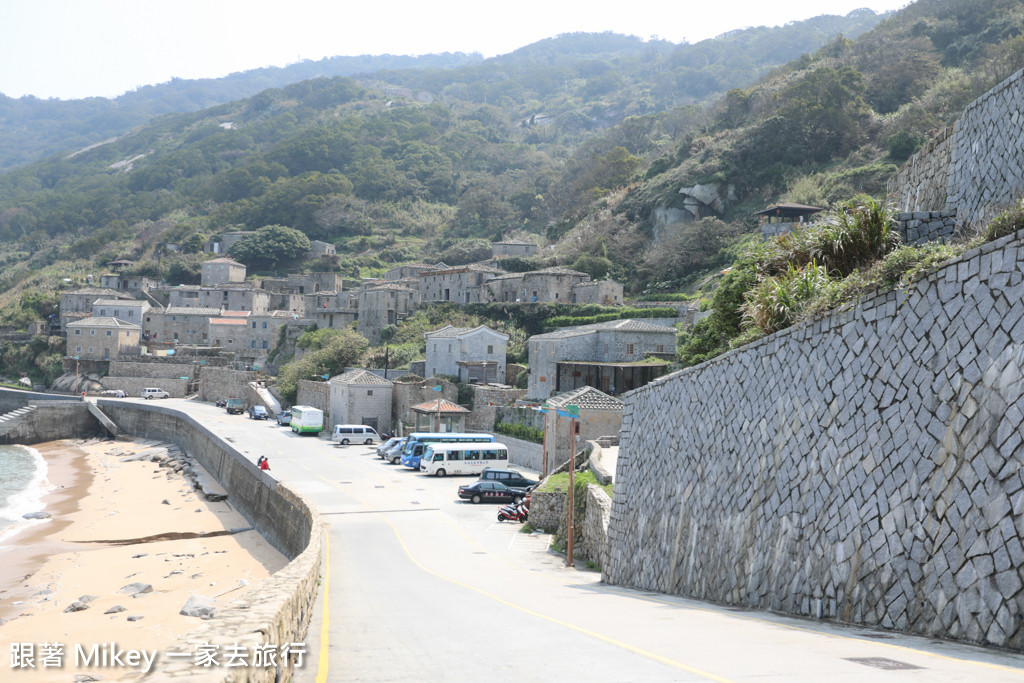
[
  {"x": 153, "y": 392},
  {"x": 462, "y": 458},
  {"x": 344, "y": 434}
]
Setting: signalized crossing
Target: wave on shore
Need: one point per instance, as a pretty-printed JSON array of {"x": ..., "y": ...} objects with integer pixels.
[{"x": 23, "y": 484}]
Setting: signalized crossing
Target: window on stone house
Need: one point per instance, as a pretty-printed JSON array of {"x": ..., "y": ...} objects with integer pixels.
[
  {"x": 254, "y": 324},
  {"x": 92, "y": 332},
  {"x": 108, "y": 333},
  {"x": 91, "y": 349},
  {"x": 78, "y": 349},
  {"x": 490, "y": 349},
  {"x": 369, "y": 392},
  {"x": 660, "y": 348},
  {"x": 630, "y": 349},
  {"x": 80, "y": 332}
]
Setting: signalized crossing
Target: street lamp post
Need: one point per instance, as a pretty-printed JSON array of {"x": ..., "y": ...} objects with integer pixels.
[{"x": 571, "y": 502}]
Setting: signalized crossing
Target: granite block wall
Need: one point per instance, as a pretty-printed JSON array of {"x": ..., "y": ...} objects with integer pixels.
[
  {"x": 918, "y": 227},
  {"x": 973, "y": 167},
  {"x": 215, "y": 383},
  {"x": 869, "y": 460}
]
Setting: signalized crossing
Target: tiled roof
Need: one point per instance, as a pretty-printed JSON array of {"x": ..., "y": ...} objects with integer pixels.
[
  {"x": 185, "y": 310},
  {"x": 236, "y": 314},
  {"x": 228, "y": 321},
  {"x": 388, "y": 284},
  {"x": 517, "y": 242},
  {"x": 100, "y": 291},
  {"x": 119, "y": 302},
  {"x": 555, "y": 270},
  {"x": 446, "y": 407},
  {"x": 360, "y": 376},
  {"x": 587, "y": 398},
  {"x": 225, "y": 260},
  {"x": 104, "y": 322},
  {"x": 449, "y": 332},
  {"x": 625, "y": 325}
]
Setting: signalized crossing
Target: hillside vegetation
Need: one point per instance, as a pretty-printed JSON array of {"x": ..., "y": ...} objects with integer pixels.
[{"x": 581, "y": 143}]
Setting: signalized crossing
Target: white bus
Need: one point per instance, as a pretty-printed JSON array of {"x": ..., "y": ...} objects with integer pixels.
[
  {"x": 440, "y": 459},
  {"x": 307, "y": 420}
]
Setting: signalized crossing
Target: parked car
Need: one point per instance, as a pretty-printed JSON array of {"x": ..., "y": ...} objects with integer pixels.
[
  {"x": 507, "y": 477},
  {"x": 284, "y": 417},
  {"x": 492, "y": 492},
  {"x": 384, "y": 447},
  {"x": 153, "y": 392},
  {"x": 394, "y": 454},
  {"x": 235, "y": 406},
  {"x": 259, "y": 413}
]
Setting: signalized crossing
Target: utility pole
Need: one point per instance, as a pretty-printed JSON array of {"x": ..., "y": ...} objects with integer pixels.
[{"x": 572, "y": 491}]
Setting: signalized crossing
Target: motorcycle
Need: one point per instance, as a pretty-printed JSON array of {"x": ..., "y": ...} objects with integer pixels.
[
  {"x": 514, "y": 512},
  {"x": 220, "y": 402}
]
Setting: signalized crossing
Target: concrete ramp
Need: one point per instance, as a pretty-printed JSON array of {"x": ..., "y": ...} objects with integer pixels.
[
  {"x": 107, "y": 423},
  {"x": 268, "y": 400}
]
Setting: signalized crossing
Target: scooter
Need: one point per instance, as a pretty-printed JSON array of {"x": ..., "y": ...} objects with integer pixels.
[{"x": 514, "y": 512}]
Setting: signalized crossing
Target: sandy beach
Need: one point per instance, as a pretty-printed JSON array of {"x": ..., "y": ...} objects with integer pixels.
[{"x": 103, "y": 510}]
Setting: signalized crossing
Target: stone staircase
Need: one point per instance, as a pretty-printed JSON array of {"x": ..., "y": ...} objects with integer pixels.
[{"x": 15, "y": 414}]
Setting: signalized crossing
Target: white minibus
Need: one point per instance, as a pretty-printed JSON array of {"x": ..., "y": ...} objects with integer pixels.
[
  {"x": 440, "y": 459},
  {"x": 345, "y": 434}
]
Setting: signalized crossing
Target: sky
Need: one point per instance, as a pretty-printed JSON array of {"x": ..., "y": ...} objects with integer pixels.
[{"x": 71, "y": 49}]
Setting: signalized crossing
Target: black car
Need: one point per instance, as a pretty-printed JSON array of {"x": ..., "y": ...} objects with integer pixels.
[
  {"x": 507, "y": 477},
  {"x": 492, "y": 492}
]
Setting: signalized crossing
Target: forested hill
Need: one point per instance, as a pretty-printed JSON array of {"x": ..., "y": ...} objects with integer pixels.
[
  {"x": 429, "y": 165},
  {"x": 31, "y": 128}
]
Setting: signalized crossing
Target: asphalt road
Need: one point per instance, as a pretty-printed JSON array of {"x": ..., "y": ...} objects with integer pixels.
[{"x": 419, "y": 586}]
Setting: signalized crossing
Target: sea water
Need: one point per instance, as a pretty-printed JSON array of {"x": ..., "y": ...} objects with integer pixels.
[{"x": 22, "y": 486}]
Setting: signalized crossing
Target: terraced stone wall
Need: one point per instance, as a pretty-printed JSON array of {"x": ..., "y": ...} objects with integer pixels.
[
  {"x": 974, "y": 167},
  {"x": 865, "y": 467}
]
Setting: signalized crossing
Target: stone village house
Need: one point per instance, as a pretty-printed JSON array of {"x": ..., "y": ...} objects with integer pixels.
[
  {"x": 471, "y": 354},
  {"x": 360, "y": 397},
  {"x": 103, "y": 338},
  {"x": 609, "y": 356}
]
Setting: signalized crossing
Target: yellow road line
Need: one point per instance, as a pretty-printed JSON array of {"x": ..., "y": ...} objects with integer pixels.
[{"x": 321, "y": 670}]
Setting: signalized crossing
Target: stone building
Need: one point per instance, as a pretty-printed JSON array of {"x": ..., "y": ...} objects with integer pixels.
[
  {"x": 229, "y": 334},
  {"x": 509, "y": 248},
  {"x": 77, "y": 304},
  {"x": 599, "y": 415},
  {"x": 411, "y": 270},
  {"x": 601, "y": 292},
  {"x": 383, "y": 304},
  {"x": 232, "y": 297},
  {"x": 609, "y": 356},
  {"x": 128, "y": 284},
  {"x": 128, "y": 310},
  {"x": 462, "y": 284},
  {"x": 361, "y": 397},
  {"x": 262, "y": 332},
  {"x": 221, "y": 271},
  {"x": 103, "y": 338},
  {"x": 188, "y": 326},
  {"x": 318, "y": 248},
  {"x": 552, "y": 285},
  {"x": 469, "y": 353}
]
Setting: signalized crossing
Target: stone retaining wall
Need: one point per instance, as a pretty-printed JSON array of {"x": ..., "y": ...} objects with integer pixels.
[
  {"x": 217, "y": 383},
  {"x": 870, "y": 460},
  {"x": 157, "y": 369},
  {"x": 281, "y": 610},
  {"x": 523, "y": 453},
  {"x": 919, "y": 227},
  {"x": 974, "y": 167},
  {"x": 546, "y": 509},
  {"x": 133, "y": 386}
]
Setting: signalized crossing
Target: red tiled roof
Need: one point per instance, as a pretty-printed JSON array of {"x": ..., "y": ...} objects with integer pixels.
[{"x": 446, "y": 407}]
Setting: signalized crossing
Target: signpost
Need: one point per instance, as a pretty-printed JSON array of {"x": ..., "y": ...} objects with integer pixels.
[
  {"x": 438, "y": 388},
  {"x": 573, "y": 413}
]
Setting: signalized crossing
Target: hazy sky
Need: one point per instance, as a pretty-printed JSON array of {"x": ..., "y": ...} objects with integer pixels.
[{"x": 81, "y": 48}]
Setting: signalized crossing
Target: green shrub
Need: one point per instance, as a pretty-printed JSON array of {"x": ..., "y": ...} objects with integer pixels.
[
  {"x": 777, "y": 302},
  {"x": 518, "y": 431},
  {"x": 1006, "y": 223}
]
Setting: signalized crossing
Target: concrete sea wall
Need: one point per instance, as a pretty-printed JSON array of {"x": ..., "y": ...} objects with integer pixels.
[
  {"x": 281, "y": 610},
  {"x": 864, "y": 467}
]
